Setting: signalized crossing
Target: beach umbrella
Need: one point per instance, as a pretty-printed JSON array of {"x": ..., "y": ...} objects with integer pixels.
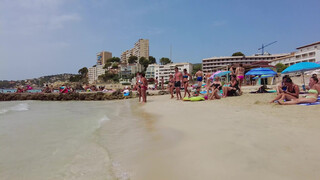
[
  {"x": 223, "y": 73},
  {"x": 212, "y": 76},
  {"x": 261, "y": 71},
  {"x": 301, "y": 67},
  {"x": 264, "y": 76}
]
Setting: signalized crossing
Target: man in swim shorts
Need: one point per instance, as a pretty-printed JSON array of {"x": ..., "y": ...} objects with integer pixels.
[
  {"x": 199, "y": 76},
  {"x": 177, "y": 82}
]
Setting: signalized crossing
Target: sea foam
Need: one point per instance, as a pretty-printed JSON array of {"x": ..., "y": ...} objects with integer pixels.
[{"x": 18, "y": 107}]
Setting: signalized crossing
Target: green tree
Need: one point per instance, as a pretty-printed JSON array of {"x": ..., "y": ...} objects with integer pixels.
[
  {"x": 107, "y": 65},
  {"x": 115, "y": 66},
  {"x": 144, "y": 62},
  {"x": 132, "y": 59},
  {"x": 83, "y": 72},
  {"x": 152, "y": 60},
  {"x": 280, "y": 67},
  {"x": 75, "y": 78},
  {"x": 109, "y": 77},
  {"x": 164, "y": 61},
  {"x": 238, "y": 54},
  {"x": 113, "y": 59},
  {"x": 196, "y": 67}
]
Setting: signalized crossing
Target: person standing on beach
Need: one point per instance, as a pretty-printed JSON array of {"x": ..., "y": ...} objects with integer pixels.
[
  {"x": 156, "y": 83},
  {"x": 162, "y": 83},
  {"x": 144, "y": 87},
  {"x": 138, "y": 85},
  {"x": 199, "y": 76},
  {"x": 240, "y": 74},
  {"x": 177, "y": 82},
  {"x": 170, "y": 85},
  {"x": 185, "y": 79}
]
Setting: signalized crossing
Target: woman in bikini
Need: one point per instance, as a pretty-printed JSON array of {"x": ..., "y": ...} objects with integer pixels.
[
  {"x": 216, "y": 86},
  {"x": 289, "y": 93},
  {"x": 311, "y": 97},
  {"x": 138, "y": 85},
  {"x": 144, "y": 87},
  {"x": 240, "y": 74},
  {"x": 185, "y": 80},
  {"x": 171, "y": 85},
  {"x": 232, "y": 89}
]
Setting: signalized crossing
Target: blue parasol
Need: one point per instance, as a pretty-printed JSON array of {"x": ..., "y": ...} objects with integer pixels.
[
  {"x": 264, "y": 76},
  {"x": 222, "y": 73},
  {"x": 301, "y": 67},
  {"x": 261, "y": 71}
]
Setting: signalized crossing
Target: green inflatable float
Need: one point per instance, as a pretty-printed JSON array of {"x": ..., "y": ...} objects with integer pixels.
[{"x": 197, "y": 98}]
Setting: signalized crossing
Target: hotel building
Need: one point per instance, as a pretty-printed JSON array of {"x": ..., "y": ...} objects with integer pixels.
[
  {"x": 102, "y": 57},
  {"x": 307, "y": 53},
  {"x": 159, "y": 71},
  {"x": 214, "y": 64},
  {"x": 140, "y": 49},
  {"x": 94, "y": 73}
]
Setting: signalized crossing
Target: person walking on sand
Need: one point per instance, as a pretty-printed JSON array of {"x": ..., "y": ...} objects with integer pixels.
[
  {"x": 177, "y": 82},
  {"x": 144, "y": 87},
  {"x": 199, "y": 76},
  {"x": 185, "y": 80},
  {"x": 240, "y": 74}
]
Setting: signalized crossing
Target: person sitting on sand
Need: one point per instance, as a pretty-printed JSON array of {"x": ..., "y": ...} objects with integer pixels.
[
  {"x": 281, "y": 87},
  {"x": 233, "y": 89},
  {"x": 47, "y": 89},
  {"x": 19, "y": 89},
  {"x": 185, "y": 81},
  {"x": 311, "y": 97},
  {"x": 171, "y": 85},
  {"x": 197, "y": 91},
  {"x": 291, "y": 92},
  {"x": 216, "y": 86}
]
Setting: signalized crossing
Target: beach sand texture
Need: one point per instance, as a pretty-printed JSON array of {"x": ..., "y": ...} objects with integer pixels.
[{"x": 234, "y": 138}]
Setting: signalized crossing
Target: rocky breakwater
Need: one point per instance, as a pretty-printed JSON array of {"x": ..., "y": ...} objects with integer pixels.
[{"x": 88, "y": 96}]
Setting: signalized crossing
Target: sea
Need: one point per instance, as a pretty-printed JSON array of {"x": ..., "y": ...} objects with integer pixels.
[{"x": 71, "y": 140}]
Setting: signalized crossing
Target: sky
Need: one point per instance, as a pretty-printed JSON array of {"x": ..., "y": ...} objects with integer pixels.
[{"x": 45, "y": 37}]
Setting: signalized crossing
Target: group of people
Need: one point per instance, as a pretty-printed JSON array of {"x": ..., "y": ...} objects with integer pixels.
[
  {"x": 141, "y": 86},
  {"x": 288, "y": 93}
]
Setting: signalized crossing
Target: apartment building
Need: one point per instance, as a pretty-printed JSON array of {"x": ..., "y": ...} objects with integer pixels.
[
  {"x": 159, "y": 71},
  {"x": 140, "y": 49},
  {"x": 95, "y": 72},
  {"x": 213, "y": 64},
  {"x": 307, "y": 53},
  {"x": 126, "y": 70},
  {"x": 102, "y": 57}
]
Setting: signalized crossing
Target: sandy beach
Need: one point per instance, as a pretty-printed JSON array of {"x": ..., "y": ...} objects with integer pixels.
[{"x": 234, "y": 138}]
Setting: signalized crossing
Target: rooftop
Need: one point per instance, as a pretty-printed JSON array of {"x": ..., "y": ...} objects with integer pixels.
[{"x": 309, "y": 45}]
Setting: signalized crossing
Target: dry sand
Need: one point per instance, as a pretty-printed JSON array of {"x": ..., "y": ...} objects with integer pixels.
[{"x": 233, "y": 138}]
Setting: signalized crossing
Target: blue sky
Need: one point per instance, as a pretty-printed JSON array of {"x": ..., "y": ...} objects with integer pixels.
[{"x": 44, "y": 37}]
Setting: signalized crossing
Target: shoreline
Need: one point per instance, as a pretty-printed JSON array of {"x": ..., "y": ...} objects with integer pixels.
[{"x": 83, "y": 96}]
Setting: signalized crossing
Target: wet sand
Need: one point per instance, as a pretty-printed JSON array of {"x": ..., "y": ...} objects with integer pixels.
[{"x": 234, "y": 138}]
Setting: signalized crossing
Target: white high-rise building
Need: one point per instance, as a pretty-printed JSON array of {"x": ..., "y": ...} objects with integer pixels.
[
  {"x": 94, "y": 73},
  {"x": 159, "y": 71}
]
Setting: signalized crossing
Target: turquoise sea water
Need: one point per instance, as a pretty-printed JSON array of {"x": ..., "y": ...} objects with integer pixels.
[{"x": 68, "y": 140}]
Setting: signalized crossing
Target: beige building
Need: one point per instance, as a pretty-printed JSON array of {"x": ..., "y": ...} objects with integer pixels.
[
  {"x": 214, "y": 64},
  {"x": 94, "y": 73},
  {"x": 102, "y": 57},
  {"x": 140, "y": 49},
  {"x": 307, "y": 53}
]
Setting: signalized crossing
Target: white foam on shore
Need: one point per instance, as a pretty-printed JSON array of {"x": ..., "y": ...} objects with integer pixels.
[
  {"x": 104, "y": 119},
  {"x": 18, "y": 107}
]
